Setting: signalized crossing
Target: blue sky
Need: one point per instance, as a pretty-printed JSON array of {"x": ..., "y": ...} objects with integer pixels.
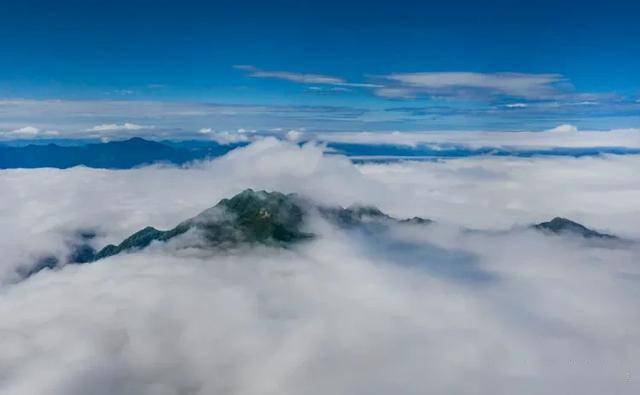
[{"x": 329, "y": 65}]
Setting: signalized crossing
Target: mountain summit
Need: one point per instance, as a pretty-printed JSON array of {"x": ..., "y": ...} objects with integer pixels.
[
  {"x": 270, "y": 218},
  {"x": 559, "y": 225}
]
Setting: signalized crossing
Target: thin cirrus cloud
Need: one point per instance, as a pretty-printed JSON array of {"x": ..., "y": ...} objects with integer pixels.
[
  {"x": 460, "y": 84},
  {"x": 302, "y": 78},
  {"x": 522, "y": 85}
]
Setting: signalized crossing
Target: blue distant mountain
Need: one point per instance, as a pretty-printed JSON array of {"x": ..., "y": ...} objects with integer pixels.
[
  {"x": 391, "y": 152},
  {"x": 112, "y": 155},
  {"x": 137, "y": 152}
]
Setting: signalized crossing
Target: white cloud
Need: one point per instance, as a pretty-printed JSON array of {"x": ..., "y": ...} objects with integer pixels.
[
  {"x": 516, "y": 105},
  {"x": 350, "y": 312},
  {"x": 411, "y": 85},
  {"x": 290, "y": 76},
  {"x": 464, "y": 83},
  {"x": 29, "y": 132},
  {"x": 302, "y": 78},
  {"x": 396, "y": 93},
  {"x": 294, "y": 135},
  {"x": 229, "y": 137},
  {"x": 563, "y": 136},
  {"x": 118, "y": 127},
  {"x": 566, "y": 128},
  {"x": 329, "y": 89}
]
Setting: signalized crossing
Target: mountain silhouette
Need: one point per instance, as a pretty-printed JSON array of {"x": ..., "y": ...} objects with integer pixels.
[{"x": 112, "y": 155}]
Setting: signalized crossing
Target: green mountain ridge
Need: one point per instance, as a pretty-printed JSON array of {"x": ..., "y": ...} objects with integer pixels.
[
  {"x": 277, "y": 219},
  {"x": 269, "y": 218},
  {"x": 254, "y": 217},
  {"x": 266, "y": 218}
]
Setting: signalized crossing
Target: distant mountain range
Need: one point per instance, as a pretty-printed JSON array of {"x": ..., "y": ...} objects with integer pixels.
[
  {"x": 265, "y": 218},
  {"x": 112, "y": 155},
  {"x": 137, "y": 152}
]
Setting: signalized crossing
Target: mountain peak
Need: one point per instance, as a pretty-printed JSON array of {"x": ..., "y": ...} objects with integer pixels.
[
  {"x": 267, "y": 216},
  {"x": 139, "y": 141},
  {"x": 136, "y": 139},
  {"x": 560, "y": 225},
  {"x": 270, "y": 218}
]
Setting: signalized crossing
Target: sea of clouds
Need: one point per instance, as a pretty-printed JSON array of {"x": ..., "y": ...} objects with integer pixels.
[{"x": 408, "y": 310}]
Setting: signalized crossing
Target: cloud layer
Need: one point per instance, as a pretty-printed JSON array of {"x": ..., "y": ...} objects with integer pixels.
[
  {"x": 82, "y": 119},
  {"x": 406, "y": 310},
  {"x": 562, "y": 136}
]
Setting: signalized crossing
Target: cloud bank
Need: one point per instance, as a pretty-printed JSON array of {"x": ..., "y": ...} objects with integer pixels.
[
  {"x": 562, "y": 136},
  {"x": 405, "y": 310}
]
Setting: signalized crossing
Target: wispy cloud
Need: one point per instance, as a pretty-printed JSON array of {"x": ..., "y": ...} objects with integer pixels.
[
  {"x": 512, "y": 89},
  {"x": 291, "y": 76},
  {"x": 302, "y": 78},
  {"x": 28, "y": 132},
  {"x": 464, "y": 84},
  {"x": 228, "y": 136},
  {"x": 116, "y": 127},
  {"x": 331, "y": 89}
]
